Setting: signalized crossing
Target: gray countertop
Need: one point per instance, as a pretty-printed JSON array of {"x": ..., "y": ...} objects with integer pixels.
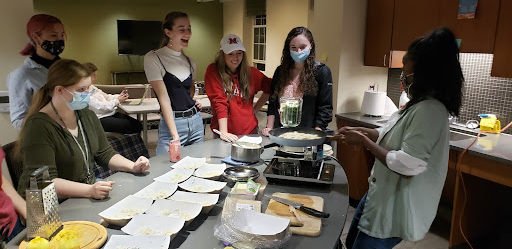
[
  {"x": 199, "y": 234},
  {"x": 491, "y": 146}
]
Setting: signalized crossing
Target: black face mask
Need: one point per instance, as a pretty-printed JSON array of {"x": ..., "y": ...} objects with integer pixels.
[{"x": 53, "y": 47}]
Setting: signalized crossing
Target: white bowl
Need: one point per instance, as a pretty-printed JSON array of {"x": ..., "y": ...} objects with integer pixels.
[
  {"x": 210, "y": 171},
  {"x": 175, "y": 176},
  {"x": 189, "y": 163},
  {"x": 157, "y": 190},
  {"x": 200, "y": 185},
  {"x": 123, "y": 211},
  {"x": 261, "y": 228},
  {"x": 179, "y": 209},
  {"x": 206, "y": 200},
  {"x": 150, "y": 225},
  {"x": 146, "y": 242}
]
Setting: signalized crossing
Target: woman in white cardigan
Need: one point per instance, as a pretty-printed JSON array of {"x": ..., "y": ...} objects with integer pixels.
[{"x": 104, "y": 106}]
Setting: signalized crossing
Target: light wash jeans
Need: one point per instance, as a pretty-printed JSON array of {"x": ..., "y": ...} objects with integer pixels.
[
  {"x": 360, "y": 240},
  {"x": 190, "y": 130}
]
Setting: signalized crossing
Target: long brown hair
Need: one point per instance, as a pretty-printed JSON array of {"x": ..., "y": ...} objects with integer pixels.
[
  {"x": 307, "y": 84},
  {"x": 243, "y": 70},
  {"x": 168, "y": 23},
  {"x": 64, "y": 73}
]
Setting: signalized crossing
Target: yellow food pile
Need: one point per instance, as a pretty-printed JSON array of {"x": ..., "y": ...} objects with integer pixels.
[
  {"x": 67, "y": 239},
  {"x": 38, "y": 243}
]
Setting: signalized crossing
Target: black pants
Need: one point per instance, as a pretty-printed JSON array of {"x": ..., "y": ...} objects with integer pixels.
[{"x": 121, "y": 123}]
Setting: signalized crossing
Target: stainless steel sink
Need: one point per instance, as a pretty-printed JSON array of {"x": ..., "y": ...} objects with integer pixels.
[{"x": 460, "y": 134}]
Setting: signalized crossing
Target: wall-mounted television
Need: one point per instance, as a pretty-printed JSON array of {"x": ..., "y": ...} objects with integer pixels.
[{"x": 138, "y": 37}]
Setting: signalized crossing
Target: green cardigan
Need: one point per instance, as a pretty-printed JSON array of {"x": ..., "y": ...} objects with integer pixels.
[{"x": 45, "y": 143}]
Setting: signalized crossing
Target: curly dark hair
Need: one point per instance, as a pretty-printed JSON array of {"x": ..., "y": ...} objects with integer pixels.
[
  {"x": 437, "y": 71},
  {"x": 308, "y": 84}
]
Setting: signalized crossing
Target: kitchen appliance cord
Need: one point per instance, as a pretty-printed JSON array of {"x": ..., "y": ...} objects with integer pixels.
[{"x": 459, "y": 172}]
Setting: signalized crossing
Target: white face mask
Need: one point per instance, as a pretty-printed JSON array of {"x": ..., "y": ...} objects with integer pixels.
[{"x": 405, "y": 83}]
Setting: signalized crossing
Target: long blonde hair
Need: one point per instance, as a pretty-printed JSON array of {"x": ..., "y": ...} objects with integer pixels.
[
  {"x": 64, "y": 73},
  {"x": 243, "y": 70}
]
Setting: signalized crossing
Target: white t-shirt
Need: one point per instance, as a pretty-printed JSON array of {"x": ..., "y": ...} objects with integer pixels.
[{"x": 175, "y": 63}]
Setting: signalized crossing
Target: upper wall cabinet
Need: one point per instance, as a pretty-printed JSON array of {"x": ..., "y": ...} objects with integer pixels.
[
  {"x": 413, "y": 19},
  {"x": 477, "y": 35},
  {"x": 393, "y": 24},
  {"x": 502, "y": 62},
  {"x": 379, "y": 27}
]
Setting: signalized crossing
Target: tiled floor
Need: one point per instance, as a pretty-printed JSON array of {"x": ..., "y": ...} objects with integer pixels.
[{"x": 436, "y": 238}]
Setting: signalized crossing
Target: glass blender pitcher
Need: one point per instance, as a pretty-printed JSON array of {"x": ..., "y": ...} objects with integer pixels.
[{"x": 290, "y": 111}]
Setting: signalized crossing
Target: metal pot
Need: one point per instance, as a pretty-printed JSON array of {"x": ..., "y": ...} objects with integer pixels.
[
  {"x": 246, "y": 155},
  {"x": 236, "y": 174}
]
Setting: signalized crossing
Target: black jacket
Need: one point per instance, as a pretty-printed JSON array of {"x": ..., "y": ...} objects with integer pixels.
[{"x": 316, "y": 110}]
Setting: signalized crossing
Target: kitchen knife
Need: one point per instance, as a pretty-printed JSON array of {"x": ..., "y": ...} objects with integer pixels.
[{"x": 300, "y": 207}]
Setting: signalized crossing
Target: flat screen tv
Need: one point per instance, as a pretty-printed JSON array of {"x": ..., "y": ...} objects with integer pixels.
[{"x": 138, "y": 37}]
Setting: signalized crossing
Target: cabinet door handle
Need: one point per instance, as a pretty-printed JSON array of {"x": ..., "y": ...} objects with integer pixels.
[{"x": 385, "y": 55}]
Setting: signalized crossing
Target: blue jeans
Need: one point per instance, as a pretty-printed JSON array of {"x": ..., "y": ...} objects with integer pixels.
[
  {"x": 359, "y": 240},
  {"x": 16, "y": 230},
  {"x": 190, "y": 130}
]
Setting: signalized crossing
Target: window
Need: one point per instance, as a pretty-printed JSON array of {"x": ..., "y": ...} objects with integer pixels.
[{"x": 260, "y": 39}]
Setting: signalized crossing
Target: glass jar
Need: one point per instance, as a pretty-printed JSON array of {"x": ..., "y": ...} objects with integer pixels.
[{"x": 290, "y": 111}]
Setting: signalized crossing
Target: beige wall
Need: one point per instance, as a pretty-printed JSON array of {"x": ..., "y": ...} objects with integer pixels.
[
  {"x": 282, "y": 16},
  {"x": 233, "y": 13},
  {"x": 92, "y": 30},
  {"x": 14, "y": 16},
  {"x": 354, "y": 77},
  {"x": 325, "y": 23}
]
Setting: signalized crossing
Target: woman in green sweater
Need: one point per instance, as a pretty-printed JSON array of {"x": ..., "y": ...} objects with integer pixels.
[{"x": 60, "y": 132}]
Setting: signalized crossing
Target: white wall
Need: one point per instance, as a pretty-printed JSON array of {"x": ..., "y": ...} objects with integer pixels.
[
  {"x": 282, "y": 16},
  {"x": 233, "y": 14},
  {"x": 14, "y": 15},
  {"x": 354, "y": 77},
  {"x": 325, "y": 23}
]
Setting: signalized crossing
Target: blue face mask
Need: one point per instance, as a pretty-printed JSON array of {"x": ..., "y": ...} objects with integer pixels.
[
  {"x": 300, "y": 56},
  {"x": 80, "y": 100}
]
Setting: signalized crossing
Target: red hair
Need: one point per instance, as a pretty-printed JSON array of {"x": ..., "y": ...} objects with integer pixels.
[{"x": 36, "y": 24}]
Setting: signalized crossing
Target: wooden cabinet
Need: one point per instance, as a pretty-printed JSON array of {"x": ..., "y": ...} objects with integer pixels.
[
  {"x": 502, "y": 62},
  {"x": 477, "y": 34},
  {"x": 393, "y": 24},
  {"x": 379, "y": 27},
  {"x": 357, "y": 163},
  {"x": 413, "y": 19}
]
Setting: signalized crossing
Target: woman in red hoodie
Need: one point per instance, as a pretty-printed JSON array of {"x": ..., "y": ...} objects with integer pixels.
[
  {"x": 11, "y": 207},
  {"x": 231, "y": 85}
]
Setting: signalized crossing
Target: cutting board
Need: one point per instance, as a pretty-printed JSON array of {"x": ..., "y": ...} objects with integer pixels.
[
  {"x": 311, "y": 225},
  {"x": 92, "y": 235}
]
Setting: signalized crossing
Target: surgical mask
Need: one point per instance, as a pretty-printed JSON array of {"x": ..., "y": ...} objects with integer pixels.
[
  {"x": 80, "y": 100},
  {"x": 405, "y": 83},
  {"x": 300, "y": 56},
  {"x": 53, "y": 47}
]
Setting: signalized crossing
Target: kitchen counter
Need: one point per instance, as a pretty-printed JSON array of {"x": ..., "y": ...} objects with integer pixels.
[
  {"x": 497, "y": 145},
  {"x": 199, "y": 234}
]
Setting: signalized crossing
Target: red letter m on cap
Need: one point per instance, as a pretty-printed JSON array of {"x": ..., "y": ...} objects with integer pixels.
[{"x": 233, "y": 40}]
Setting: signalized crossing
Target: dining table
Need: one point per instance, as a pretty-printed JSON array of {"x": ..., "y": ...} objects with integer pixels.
[{"x": 200, "y": 232}]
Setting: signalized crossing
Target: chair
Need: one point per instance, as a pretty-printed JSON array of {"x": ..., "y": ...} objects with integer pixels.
[
  {"x": 14, "y": 164},
  {"x": 130, "y": 146}
]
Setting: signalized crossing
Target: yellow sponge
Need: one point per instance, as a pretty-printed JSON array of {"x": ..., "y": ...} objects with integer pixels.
[{"x": 490, "y": 124}]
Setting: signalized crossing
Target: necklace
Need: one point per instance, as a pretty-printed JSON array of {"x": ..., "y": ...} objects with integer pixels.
[{"x": 85, "y": 154}]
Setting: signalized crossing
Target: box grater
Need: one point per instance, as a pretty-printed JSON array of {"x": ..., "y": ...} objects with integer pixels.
[{"x": 42, "y": 206}]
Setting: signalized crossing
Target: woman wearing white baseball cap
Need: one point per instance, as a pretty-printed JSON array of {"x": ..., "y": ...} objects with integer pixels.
[{"x": 231, "y": 85}]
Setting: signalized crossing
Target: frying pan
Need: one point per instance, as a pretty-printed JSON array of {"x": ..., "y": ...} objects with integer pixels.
[{"x": 275, "y": 133}]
